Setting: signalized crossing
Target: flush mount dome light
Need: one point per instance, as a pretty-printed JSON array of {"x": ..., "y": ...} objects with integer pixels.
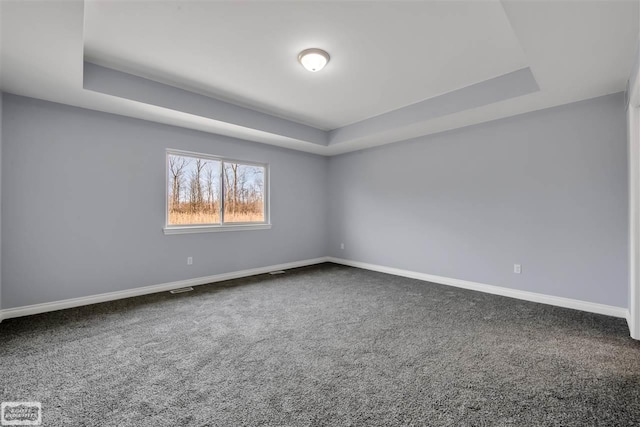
[{"x": 313, "y": 59}]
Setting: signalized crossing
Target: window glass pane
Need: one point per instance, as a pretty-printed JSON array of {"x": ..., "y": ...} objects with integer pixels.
[
  {"x": 193, "y": 190},
  {"x": 244, "y": 193}
]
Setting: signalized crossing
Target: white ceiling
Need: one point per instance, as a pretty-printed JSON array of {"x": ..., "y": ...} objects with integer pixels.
[{"x": 385, "y": 55}]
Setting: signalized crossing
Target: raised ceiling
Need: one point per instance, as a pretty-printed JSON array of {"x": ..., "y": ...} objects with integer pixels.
[
  {"x": 383, "y": 55},
  {"x": 398, "y": 69}
]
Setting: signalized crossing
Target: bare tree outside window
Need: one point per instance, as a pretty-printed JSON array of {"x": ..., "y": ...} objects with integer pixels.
[
  {"x": 198, "y": 188},
  {"x": 244, "y": 186}
]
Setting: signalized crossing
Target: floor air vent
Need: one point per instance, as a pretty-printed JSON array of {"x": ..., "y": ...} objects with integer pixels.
[{"x": 181, "y": 290}]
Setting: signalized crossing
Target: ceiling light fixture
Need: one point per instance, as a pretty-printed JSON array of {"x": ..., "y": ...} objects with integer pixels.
[{"x": 313, "y": 59}]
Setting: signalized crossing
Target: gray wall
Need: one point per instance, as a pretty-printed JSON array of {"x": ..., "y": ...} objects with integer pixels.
[
  {"x": 546, "y": 189},
  {"x": 83, "y": 205}
]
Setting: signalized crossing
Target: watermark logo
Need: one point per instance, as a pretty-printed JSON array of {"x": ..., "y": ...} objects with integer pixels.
[{"x": 21, "y": 414}]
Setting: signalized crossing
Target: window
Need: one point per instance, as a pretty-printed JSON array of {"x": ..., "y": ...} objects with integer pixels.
[{"x": 208, "y": 193}]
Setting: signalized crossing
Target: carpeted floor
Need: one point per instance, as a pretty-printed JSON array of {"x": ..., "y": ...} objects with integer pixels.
[{"x": 325, "y": 345}]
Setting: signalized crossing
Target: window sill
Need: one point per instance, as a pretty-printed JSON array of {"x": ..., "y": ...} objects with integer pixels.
[{"x": 214, "y": 228}]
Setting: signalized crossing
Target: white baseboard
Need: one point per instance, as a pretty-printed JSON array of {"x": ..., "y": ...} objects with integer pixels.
[
  {"x": 490, "y": 289},
  {"x": 634, "y": 331},
  {"x": 481, "y": 287},
  {"x": 110, "y": 296}
]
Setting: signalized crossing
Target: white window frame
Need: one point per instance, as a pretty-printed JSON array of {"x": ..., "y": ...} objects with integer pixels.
[{"x": 208, "y": 228}]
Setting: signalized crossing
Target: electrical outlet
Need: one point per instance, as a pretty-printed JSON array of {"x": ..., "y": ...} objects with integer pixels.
[
  {"x": 341, "y": 245},
  {"x": 189, "y": 260},
  {"x": 517, "y": 268}
]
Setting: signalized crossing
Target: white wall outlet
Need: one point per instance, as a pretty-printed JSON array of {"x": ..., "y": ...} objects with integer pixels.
[
  {"x": 517, "y": 268},
  {"x": 341, "y": 245},
  {"x": 189, "y": 260}
]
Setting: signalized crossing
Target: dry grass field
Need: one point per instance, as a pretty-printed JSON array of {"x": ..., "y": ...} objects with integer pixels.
[{"x": 187, "y": 218}]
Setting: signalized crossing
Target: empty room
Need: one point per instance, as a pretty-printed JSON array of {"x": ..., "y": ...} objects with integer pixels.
[{"x": 320, "y": 213}]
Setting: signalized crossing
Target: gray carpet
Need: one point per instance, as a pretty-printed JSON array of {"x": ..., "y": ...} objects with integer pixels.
[{"x": 325, "y": 345}]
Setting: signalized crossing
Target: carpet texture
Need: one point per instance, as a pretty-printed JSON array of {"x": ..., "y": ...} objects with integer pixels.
[{"x": 323, "y": 346}]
